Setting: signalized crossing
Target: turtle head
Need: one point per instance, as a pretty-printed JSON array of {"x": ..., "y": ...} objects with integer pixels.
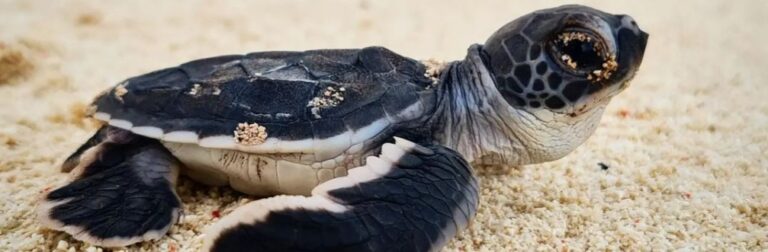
[
  {"x": 567, "y": 60},
  {"x": 555, "y": 70}
]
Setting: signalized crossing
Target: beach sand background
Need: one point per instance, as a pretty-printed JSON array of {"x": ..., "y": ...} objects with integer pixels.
[{"x": 686, "y": 144}]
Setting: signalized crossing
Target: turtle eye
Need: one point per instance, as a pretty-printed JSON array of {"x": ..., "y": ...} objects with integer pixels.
[{"x": 582, "y": 53}]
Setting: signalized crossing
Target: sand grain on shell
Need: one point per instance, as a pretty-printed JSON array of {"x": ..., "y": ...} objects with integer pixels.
[
  {"x": 250, "y": 133},
  {"x": 434, "y": 68},
  {"x": 685, "y": 144}
]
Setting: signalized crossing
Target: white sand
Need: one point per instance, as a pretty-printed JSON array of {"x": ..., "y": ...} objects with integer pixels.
[{"x": 686, "y": 143}]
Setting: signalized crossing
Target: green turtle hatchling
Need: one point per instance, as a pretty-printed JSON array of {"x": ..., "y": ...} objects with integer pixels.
[{"x": 354, "y": 149}]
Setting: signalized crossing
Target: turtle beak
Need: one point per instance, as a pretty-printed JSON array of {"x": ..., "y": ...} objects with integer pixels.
[
  {"x": 642, "y": 42},
  {"x": 632, "y": 38}
]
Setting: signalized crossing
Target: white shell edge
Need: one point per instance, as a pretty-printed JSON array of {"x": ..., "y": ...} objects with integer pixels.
[{"x": 331, "y": 146}]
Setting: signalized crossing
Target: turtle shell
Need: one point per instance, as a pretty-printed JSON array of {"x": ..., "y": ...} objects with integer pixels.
[{"x": 302, "y": 100}]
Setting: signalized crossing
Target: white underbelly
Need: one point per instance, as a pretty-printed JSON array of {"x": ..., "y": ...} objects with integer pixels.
[{"x": 262, "y": 174}]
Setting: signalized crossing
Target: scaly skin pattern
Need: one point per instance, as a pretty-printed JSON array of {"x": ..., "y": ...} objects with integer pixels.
[{"x": 486, "y": 130}]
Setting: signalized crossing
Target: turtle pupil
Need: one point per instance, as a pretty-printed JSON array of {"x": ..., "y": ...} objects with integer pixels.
[{"x": 578, "y": 54}]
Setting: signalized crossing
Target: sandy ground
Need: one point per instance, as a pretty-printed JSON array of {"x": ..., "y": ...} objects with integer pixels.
[{"x": 686, "y": 144}]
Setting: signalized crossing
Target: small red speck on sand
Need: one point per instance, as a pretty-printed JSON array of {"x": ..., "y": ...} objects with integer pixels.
[
  {"x": 216, "y": 214},
  {"x": 172, "y": 247},
  {"x": 687, "y": 195},
  {"x": 47, "y": 189},
  {"x": 623, "y": 113}
]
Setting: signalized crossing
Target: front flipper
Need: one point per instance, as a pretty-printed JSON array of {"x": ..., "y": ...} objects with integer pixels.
[
  {"x": 410, "y": 198},
  {"x": 120, "y": 191}
]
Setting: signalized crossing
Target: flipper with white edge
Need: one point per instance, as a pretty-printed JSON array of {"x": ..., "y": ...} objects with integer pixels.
[
  {"x": 121, "y": 191},
  {"x": 409, "y": 198}
]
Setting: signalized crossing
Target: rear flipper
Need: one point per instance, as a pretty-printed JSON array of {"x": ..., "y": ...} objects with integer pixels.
[
  {"x": 410, "y": 198},
  {"x": 121, "y": 191},
  {"x": 74, "y": 159}
]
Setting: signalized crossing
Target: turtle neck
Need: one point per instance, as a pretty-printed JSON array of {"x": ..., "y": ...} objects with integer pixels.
[{"x": 473, "y": 118}]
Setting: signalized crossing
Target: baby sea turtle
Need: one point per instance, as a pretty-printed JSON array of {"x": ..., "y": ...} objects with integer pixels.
[{"x": 375, "y": 148}]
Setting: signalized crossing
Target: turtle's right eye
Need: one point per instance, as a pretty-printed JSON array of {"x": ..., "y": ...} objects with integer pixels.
[{"x": 582, "y": 53}]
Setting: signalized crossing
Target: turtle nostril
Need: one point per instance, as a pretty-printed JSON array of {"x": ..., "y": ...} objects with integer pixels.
[{"x": 625, "y": 19}]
